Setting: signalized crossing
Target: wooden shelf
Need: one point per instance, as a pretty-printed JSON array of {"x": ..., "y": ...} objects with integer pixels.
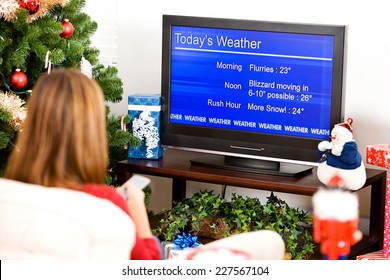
[{"x": 176, "y": 165}]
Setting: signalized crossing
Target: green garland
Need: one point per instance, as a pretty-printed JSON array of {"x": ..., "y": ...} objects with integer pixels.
[{"x": 239, "y": 215}]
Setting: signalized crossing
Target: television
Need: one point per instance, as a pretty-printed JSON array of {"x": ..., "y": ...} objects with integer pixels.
[{"x": 250, "y": 95}]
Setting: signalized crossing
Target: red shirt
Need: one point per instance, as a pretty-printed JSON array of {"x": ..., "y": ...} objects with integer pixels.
[{"x": 145, "y": 248}]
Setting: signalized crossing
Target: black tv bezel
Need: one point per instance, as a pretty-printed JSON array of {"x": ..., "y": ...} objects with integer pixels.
[{"x": 255, "y": 145}]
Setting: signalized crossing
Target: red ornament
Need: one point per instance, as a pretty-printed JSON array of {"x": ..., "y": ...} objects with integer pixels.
[
  {"x": 68, "y": 29},
  {"x": 18, "y": 79},
  {"x": 31, "y": 5}
]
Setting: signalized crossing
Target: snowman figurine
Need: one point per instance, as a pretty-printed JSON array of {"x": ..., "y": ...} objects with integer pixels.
[{"x": 340, "y": 156}]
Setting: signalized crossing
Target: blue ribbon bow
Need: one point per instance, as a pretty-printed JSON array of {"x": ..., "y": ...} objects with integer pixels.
[{"x": 186, "y": 240}]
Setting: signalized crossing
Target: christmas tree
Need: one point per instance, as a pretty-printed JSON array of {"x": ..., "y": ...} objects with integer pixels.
[{"x": 36, "y": 36}]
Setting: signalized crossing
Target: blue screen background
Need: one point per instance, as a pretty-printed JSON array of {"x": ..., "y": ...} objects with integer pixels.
[{"x": 206, "y": 78}]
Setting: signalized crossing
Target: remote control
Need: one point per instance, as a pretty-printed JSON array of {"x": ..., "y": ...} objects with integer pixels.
[{"x": 139, "y": 181}]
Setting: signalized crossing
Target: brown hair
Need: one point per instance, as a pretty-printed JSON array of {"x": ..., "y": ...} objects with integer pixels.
[{"x": 64, "y": 139}]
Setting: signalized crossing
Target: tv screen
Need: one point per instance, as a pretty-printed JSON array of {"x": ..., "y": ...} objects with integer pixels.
[{"x": 255, "y": 96}]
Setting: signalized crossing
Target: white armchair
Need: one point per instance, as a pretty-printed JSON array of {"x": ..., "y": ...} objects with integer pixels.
[
  {"x": 255, "y": 245},
  {"x": 258, "y": 245},
  {"x": 37, "y": 222}
]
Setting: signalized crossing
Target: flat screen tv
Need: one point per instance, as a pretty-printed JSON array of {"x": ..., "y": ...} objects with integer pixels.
[{"x": 253, "y": 96}]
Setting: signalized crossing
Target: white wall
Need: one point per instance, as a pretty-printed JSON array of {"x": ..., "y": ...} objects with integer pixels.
[{"x": 368, "y": 60}]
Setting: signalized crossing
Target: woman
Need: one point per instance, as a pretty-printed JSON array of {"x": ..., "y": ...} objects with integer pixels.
[{"x": 64, "y": 144}]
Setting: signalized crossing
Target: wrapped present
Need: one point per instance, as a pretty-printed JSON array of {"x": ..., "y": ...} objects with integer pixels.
[
  {"x": 181, "y": 246},
  {"x": 174, "y": 252},
  {"x": 386, "y": 239},
  {"x": 379, "y": 155},
  {"x": 378, "y": 255},
  {"x": 144, "y": 111},
  {"x": 169, "y": 249}
]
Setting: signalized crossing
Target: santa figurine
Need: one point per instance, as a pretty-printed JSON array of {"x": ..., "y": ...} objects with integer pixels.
[
  {"x": 335, "y": 220},
  {"x": 340, "y": 156}
]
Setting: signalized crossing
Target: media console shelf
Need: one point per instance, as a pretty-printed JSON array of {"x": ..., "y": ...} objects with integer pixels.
[{"x": 176, "y": 165}]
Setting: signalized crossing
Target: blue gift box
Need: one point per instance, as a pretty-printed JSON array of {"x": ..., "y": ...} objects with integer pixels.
[{"x": 144, "y": 111}]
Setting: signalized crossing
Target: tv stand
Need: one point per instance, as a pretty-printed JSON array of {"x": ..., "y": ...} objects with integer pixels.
[
  {"x": 176, "y": 164},
  {"x": 252, "y": 165}
]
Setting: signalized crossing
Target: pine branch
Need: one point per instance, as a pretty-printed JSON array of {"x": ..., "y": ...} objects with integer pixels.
[{"x": 25, "y": 44}]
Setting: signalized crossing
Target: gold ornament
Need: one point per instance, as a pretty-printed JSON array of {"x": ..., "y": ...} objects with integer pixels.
[
  {"x": 9, "y": 9},
  {"x": 16, "y": 106}
]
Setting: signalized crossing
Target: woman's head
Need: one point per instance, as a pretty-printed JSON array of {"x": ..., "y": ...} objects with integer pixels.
[{"x": 64, "y": 136}]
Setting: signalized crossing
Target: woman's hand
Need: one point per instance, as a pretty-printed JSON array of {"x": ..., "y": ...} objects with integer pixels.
[
  {"x": 137, "y": 208},
  {"x": 134, "y": 193}
]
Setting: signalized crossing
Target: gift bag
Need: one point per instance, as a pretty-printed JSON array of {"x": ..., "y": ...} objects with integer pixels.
[{"x": 144, "y": 111}]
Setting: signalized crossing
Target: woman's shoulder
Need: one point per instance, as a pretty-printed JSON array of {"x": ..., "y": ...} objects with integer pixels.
[
  {"x": 97, "y": 189},
  {"x": 107, "y": 192}
]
